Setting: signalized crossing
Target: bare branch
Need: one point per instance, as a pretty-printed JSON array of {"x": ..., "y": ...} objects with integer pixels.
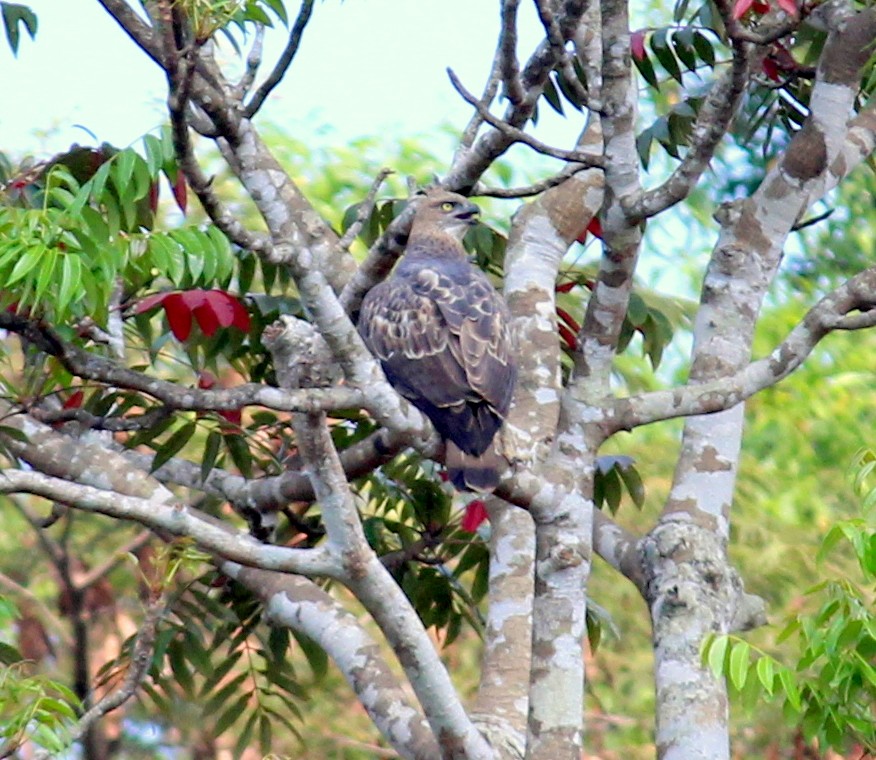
[
  {"x": 569, "y": 170},
  {"x": 283, "y": 62},
  {"x": 137, "y": 29},
  {"x": 92, "y": 367},
  {"x": 365, "y": 210},
  {"x": 711, "y": 125},
  {"x": 507, "y": 64},
  {"x": 138, "y": 667},
  {"x": 301, "y": 605},
  {"x": 253, "y": 61},
  {"x": 618, "y": 547},
  {"x": 558, "y": 45},
  {"x": 518, "y": 135},
  {"x": 53, "y": 621},
  {"x": 833, "y": 312},
  {"x": 210, "y": 534}
]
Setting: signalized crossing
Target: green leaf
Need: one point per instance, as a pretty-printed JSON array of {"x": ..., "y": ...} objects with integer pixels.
[
  {"x": 228, "y": 718},
  {"x": 13, "y": 15},
  {"x": 703, "y": 46},
  {"x": 28, "y": 261},
  {"x": 173, "y": 445},
  {"x": 211, "y": 452},
  {"x": 715, "y": 653},
  {"x": 664, "y": 54},
  {"x": 552, "y": 96},
  {"x": 633, "y": 482},
  {"x": 738, "y": 665},
  {"x": 766, "y": 673},
  {"x": 240, "y": 453},
  {"x": 646, "y": 69},
  {"x": 220, "y": 698}
]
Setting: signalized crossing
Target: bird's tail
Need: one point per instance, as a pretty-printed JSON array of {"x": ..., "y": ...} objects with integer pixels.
[{"x": 469, "y": 472}]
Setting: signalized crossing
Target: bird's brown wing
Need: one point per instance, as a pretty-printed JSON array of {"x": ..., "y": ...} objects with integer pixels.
[{"x": 443, "y": 342}]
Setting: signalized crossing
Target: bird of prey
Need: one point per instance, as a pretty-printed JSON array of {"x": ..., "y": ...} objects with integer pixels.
[{"x": 440, "y": 331}]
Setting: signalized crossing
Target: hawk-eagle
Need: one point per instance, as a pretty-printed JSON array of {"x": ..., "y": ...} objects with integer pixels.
[{"x": 440, "y": 331}]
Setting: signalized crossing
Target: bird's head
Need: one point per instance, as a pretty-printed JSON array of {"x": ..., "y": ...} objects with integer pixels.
[{"x": 448, "y": 212}]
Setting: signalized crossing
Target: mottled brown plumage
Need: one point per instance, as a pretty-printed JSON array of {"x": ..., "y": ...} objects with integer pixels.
[{"x": 440, "y": 331}]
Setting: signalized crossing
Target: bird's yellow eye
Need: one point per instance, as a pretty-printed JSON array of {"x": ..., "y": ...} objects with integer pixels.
[{"x": 447, "y": 206}]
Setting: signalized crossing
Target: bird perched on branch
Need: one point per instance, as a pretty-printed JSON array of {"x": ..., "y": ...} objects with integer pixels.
[{"x": 440, "y": 331}]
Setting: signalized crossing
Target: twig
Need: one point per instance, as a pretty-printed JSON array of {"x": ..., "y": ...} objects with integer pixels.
[
  {"x": 253, "y": 61},
  {"x": 537, "y": 188},
  {"x": 518, "y": 135},
  {"x": 141, "y": 659},
  {"x": 711, "y": 125},
  {"x": 365, "y": 210},
  {"x": 508, "y": 65},
  {"x": 54, "y": 621},
  {"x": 92, "y": 367},
  {"x": 558, "y": 45},
  {"x": 95, "y": 422},
  {"x": 283, "y": 62},
  {"x": 96, "y": 573}
]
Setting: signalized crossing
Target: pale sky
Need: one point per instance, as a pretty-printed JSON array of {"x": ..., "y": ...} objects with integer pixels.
[{"x": 365, "y": 67}]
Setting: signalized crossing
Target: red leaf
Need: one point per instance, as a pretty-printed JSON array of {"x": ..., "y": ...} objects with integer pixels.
[
  {"x": 565, "y": 287},
  {"x": 568, "y": 319},
  {"x": 770, "y": 68},
  {"x": 75, "y": 400},
  {"x": 595, "y": 227},
  {"x": 568, "y": 336},
  {"x": 179, "y": 192},
  {"x": 179, "y": 315},
  {"x": 234, "y": 416},
  {"x": 637, "y": 44},
  {"x": 789, "y": 6},
  {"x": 741, "y": 7},
  {"x": 475, "y": 514},
  {"x": 150, "y": 302},
  {"x": 153, "y": 197},
  {"x": 220, "y": 309}
]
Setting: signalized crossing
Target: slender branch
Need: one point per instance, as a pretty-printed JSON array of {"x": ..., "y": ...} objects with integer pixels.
[
  {"x": 518, "y": 135},
  {"x": 95, "y": 422},
  {"x": 92, "y": 367},
  {"x": 711, "y": 125},
  {"x": 176, "y": 519},
  {"x": 365, "y": 210},
  {"x": 138, "y": 668},
  {"x": 119, "y": 555},
  {"x": 301, "y": 605},
  {"x": 557, "y": 42},
  {"x": 137, "y": 29},
  {"x": 829, "y": 314},
  {"x": 56, "y": 624},
  {"x": 253, "y": 61},
  {"x": 570, "y": 170},
  {"x": 283, "y": 62},
  {"x": 508, "y": 66},
  {"x": 202, "y": 185}
]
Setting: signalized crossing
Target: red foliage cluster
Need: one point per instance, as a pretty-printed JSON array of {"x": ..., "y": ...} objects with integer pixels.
[
  {"x": 211, "y": 309},
  {"x": 760, "y": 7},
  {"x": 475, "y": 514}
]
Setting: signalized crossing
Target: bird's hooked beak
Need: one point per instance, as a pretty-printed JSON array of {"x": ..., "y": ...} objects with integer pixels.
[{"x": 468, "y": 213}]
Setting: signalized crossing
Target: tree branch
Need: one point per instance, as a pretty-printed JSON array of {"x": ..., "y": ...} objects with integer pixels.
[
  {"x": 829, "y": 314},
  {"x": 301, "y": 605},
  {"x": 138, "y": 668},
  {"x": 283, "y": 63},
  {"x": 518, "y": 135}
]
